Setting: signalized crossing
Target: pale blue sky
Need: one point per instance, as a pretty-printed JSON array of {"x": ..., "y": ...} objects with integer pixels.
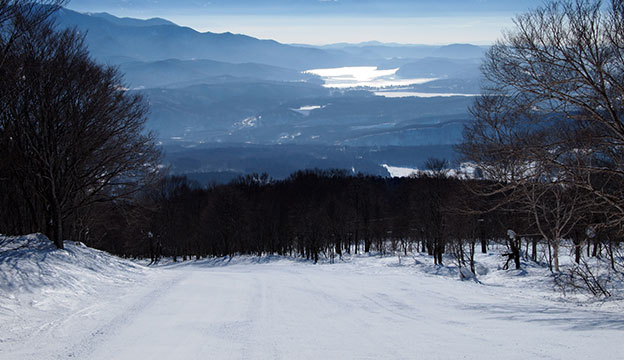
[{"x": 331, "y": 21}]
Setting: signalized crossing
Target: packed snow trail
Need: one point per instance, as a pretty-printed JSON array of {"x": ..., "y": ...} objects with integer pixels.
[
  {"x": 289, "y": 310},
  {"x": 277, "y": 308}
]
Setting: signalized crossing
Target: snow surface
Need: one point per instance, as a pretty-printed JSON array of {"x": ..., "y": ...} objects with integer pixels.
[
  {"x": 397, "y": 171},
  {"x": 84, "y": 304},
  {"x": 307, "y": 109},
  {"x": 466, "y": 170}
]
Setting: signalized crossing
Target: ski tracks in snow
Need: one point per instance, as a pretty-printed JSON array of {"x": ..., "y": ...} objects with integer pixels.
[
  {"x": 291, "y": 310},
  {"x": 84, "y": 348}
]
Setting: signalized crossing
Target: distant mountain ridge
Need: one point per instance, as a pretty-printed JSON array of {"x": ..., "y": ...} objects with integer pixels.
[
  {"x": 207, "y": 88},
  {"x": 460, "y": 51},
  {"x": 126, "y": 21},
  {"x": 117, "y": 40},
  {"x": 440, "y": 68},
  {"x": 114, "y": 40},
  {"x": 180, "y": 73},
  {"x": 377, "y": 50}
]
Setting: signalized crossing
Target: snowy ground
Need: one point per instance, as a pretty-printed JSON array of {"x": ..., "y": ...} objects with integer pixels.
[{"x": 84, "y": 304}]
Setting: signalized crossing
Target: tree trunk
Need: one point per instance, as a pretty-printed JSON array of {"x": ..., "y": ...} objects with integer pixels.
[
  {"x": 438, "y": 251},
  {"x": 611, "y": 255},
  {"x": 57, "y": 223},
  {"x": 57, "y": 232},
  {"x": 472, "y": 254},
  {"x": 556, "y": 255},
  {"x": 550, "y": 262}
]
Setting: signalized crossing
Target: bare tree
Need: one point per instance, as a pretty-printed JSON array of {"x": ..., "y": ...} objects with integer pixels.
[
  {"x": 555, "y": 210},
  {"x": 73, "y": 134},
  {"x": 17, "y": 19},
  {"x": 549, "y": 128},
  {"x": 555, "y": 83},
  {"x": 439, "y": 168}
]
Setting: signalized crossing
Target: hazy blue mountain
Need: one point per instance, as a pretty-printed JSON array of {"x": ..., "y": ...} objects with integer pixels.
[
  {"x": 380, "y": 51},
  {"x": 212, "y": 112},
  {"x": 118, "y": 40},
  {"x": 468, "y": 85},
  {"x": 374, "y": 50},
  {"x": 181, "y": 73},
  {"x": 460, "y": 51},
  {"x": 441, "y": 68},
  {"x": 131, "y": 21},
  {"x": 114, "y": 40},
  {"x": 207, "y": 89},
  {"x": 264, "y": 112},
  {"x": 222, "y": 163}
]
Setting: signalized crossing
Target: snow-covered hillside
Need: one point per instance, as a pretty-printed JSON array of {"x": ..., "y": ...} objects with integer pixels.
[
  {"x": 49, "y": 298},
  {"x": 85, "y": 304}
]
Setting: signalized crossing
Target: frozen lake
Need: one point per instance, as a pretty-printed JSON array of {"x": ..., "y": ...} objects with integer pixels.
[{"x": 364, "y": 76}]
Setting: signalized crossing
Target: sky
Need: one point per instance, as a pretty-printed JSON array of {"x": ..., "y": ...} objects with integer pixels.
[{"x": 321, "y": 22}]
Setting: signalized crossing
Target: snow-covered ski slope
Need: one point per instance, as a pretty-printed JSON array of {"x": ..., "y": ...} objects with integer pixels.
[{"x": 84, "y": 304}]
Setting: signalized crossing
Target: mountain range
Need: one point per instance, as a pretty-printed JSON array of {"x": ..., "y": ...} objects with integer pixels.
[
  {"x": 117, "y": 40},
  {"x": 209, "y": 88},
  {"x": 114, "y": 41}
]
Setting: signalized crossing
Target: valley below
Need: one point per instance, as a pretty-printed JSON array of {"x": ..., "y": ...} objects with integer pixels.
[{"x": 235, "y": 92}]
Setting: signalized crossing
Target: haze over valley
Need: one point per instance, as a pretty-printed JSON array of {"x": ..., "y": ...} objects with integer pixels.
[{"x": 212, "y": 91}]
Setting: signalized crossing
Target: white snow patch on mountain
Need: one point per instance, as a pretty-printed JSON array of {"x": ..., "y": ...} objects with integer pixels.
[
  {"x": 307, "y": 109},
  {"x": 397, "y": 171}
]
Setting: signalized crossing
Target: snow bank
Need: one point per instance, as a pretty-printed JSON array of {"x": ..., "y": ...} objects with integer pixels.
[
  {"x": 48, "y": 294},
  {"x": 31, "y": 264}
]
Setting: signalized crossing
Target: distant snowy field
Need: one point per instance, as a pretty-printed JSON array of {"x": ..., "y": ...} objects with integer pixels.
[
  {"x": 85, "y": 304},
  {"x": 464, "y": 170}
]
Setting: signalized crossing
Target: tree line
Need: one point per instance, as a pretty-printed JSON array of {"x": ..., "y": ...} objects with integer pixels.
[
  {"x": 321, "y": 215},
  {"x": 312, "y": 214}
]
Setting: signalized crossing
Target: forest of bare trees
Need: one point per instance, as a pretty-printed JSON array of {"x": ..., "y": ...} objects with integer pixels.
[
  {"x": 322, "y": 215},
  {"x": 313, "y": 214}
]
